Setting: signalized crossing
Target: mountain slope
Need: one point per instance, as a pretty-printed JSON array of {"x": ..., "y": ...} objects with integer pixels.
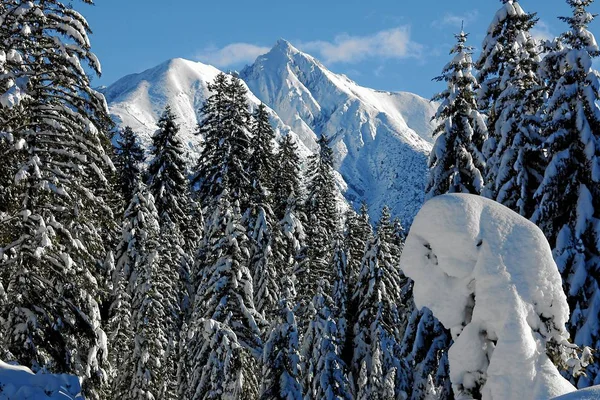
[
  {"x": 381, "y": 158},
  {"x": 380, "y": 139}
]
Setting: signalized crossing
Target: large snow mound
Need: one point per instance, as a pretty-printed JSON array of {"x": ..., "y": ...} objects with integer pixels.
[
  {"x": 488, "y": 275},
  {"x": 19, "y": 383},
  {"x": 591, "y": 393}
]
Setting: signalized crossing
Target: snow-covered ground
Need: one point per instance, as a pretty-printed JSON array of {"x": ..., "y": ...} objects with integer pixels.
[
  {"x": 381, "y": 139},
  {"x": 19, "y": 383},
  {"x": 488, "y": 275},
  {"x": 591, "y": 393}
]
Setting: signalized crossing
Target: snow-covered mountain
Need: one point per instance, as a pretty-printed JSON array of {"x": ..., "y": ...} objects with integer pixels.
[{"x": 380, "y": 139}]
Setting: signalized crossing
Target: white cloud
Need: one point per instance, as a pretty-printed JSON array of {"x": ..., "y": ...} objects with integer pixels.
[
  {"x": 455, "y": 20},
  {"x": 388, "y": 44},
  {"x": 233, "y": 54},
  {"x": 541, "y": 31}
]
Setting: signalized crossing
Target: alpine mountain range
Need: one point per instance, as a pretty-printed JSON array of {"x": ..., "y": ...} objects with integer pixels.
[{"x": 381, "y": 140}]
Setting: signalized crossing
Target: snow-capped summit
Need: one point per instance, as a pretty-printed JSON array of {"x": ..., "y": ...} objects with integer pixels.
[{"x": 380, "y": 139}]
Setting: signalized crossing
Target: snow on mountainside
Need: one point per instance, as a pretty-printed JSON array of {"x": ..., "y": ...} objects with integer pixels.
[
  {"x": 138, "y": 100},
  {"x": 381, "y": 158},
  {"x": 380, "y": 139}
]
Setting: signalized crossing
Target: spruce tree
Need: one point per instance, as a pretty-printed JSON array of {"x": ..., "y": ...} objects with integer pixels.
[
  {"x": 322, "y": 222},
  {"x": 263, "y": 157},
  {"x": 263, "y": 262},
  {"x": 129, "y": 157},
  {"x": 144, "y": 373},
  {"x": 221, "y": 364},
  {"x": 225, "y": 128},
  {"x": 380, "y": 316},
  {"x": 357, "y": 233},
  {"x": 224, "y": 294},
  {"x": 281, "y": 379},
  {"x": 325, "y": 374},
  {"x": 425, "y": 347},
  {"x": 568, "y": 197},
  {"x": 287, "y": 179},
  {"x": 51, "y": 233},
  {"x": 456, "y": 162},
  {"x": 511, "y": 94},
  {"x": 262, "y": 223},
  {"x": 168, "y": 184}
]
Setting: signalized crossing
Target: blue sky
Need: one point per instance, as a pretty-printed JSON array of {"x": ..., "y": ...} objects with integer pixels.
[{"x": 383, "y": 44}]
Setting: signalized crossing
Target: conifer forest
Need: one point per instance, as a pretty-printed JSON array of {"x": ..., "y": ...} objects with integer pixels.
[{"x": 227, "y": 261}]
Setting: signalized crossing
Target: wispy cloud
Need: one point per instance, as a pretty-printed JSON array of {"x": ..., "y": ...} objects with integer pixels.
[
  {"x": 388, "y": 44},
  {"x": 232, "y": 54},
  {"x": 542, "y": 31},
  {"x": 456, "y": 20}
]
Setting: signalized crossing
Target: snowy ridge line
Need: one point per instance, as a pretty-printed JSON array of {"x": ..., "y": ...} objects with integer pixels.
[{"x": 380, "y": 139}]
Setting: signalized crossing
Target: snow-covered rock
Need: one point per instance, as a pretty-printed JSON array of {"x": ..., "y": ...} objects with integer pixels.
[
  {"x": 19, "y": 383},
  {"x": 381, "y": 139},
  {"x": 488, "y": 275}
]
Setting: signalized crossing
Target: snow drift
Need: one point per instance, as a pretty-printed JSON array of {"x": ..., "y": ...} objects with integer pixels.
[
  {"x": 488, "y": 275},
  {"x": 19, "y": 383}
]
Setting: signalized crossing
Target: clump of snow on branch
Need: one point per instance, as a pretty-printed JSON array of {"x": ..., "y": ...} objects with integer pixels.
[{"x": 488, "y": 275}]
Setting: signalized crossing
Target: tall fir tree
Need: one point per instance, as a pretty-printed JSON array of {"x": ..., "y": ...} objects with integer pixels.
[
  {"x": 324, "y": 372},
  {"x": 511, "y": 94},
  {"x": 129, "y": 159},
  {"x": 568, "y": 197},
  {"x": 262, "y": 223},
  {"x": 456, "y": 162},
  {"x": 281, "y": 377},
  {"x": 380, "y": 317},
  {"x": 287, "y": 191},
  {"x": 224, "y": 294},
  {"x": 169, "y": 185},
  {"x": 322, "y": 222},
  {"x": 225, "y": 127},
  {"x": 263, "y": 156},
  {"x": 222, "y": 365},
  {"x": 357, "y": 232},
  {"x": 425, "y": 347},
  {"x": 54, "y": 215},
  {"x": 143, "y": 373}
]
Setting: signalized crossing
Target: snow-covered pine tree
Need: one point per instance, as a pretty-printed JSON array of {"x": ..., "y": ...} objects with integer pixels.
[
  {"x": 129, "y": 159},
  {"x": 263, "y": 262},
  {"x": 262, "y": 223},
  {"x": 144, "y": 373},
  {"x": 511, "y": 95},
  {"x": 51, "y": 235},
  {"x": 281, "y": 378},
  {"x": 224, "y": 294},
  {"x": 357, "y": 232},
  {"x": 380, "y": 317},
  {"x": 324, "y": 372},
  {"x": 287, "y": 179},
  {"x": 456, "y": 162},
  {"x": 569, "y": 195},
  {"x": 221, "y": 366},
  {"x": 118, "y": 326},
  {"x": 399, "y": 238},
  {"x": 322, "y": 225},
  {"x": 263, "y": 158},
  {"x": 225, "y": 127},
  {"x": 425, "y": 347},
  {"x": 169, "y": 185}
]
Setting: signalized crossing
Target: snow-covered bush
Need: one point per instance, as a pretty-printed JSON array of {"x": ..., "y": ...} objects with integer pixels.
[{"x": 488, "y": 275}]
